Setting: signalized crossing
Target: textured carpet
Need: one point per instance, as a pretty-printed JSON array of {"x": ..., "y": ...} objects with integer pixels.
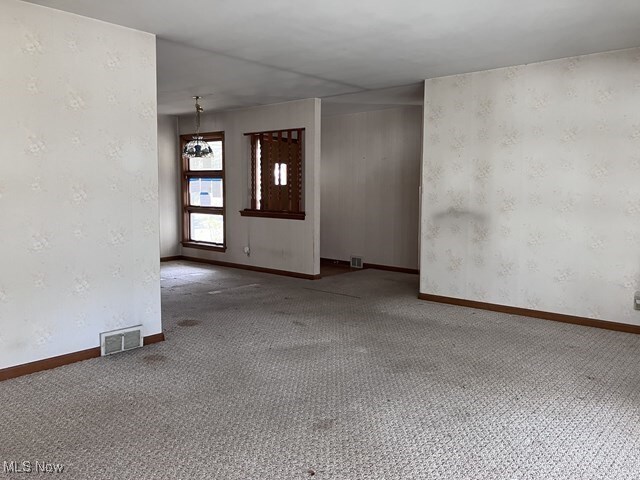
[{"x": 349, "y": 377}]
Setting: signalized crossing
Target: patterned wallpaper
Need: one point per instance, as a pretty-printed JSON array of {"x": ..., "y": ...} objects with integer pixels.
[
  {"x": 531, "y": 186},
  {"x": 79, "y": 247}
]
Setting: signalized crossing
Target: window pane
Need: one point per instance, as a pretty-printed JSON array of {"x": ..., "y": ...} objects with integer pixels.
[
  {"x": 258, "y": 175},
  {"x": 205, "y": 192},
  {"x": 207, "y": 228},
  {"x": 212, "y": 163},
  {"x": 283, "y": 174}
]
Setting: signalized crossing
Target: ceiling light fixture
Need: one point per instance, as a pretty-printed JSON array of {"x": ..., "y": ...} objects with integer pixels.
[{"x": 197, "y": 147}]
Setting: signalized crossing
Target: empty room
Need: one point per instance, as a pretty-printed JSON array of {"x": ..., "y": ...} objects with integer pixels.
[{"x": 328, "y": 240}]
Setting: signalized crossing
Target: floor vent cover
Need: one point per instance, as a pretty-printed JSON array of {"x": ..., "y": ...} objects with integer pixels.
[
  {"x": 122, "y": 340},
  {"x": 356, "y": 262}
]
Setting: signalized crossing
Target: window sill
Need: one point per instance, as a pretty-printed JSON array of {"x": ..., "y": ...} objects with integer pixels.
[
  {"x": 272, "y": 214},
  {"x": 204, "y": 246}
]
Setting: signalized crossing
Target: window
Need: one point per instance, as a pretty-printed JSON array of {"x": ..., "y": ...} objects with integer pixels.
[
  {"x": 203, "y": 196},
  {"x": 276, "y": 174}
]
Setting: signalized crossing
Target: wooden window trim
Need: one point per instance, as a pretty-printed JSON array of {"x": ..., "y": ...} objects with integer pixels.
[
  {"x": 295, "y": 166},
  {"x": 185, "y": 175},
  {"x": 248, "y": 212},
  {"x": 203, "y": 246}
]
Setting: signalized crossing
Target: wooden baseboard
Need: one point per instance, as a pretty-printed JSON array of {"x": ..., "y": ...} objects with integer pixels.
[
  {"x": 286, "y": 273},
  {"x": 59, "y": 361},
  {"x": 413, "y": 271},
  {"x": 253, "y": 268},
  {"x": 346, "y": 263},
  {"x": 150, "y": 339},
  {"x": 525, "y": 312},
  {"x": 169, "y": 259},
  {"x": 339, "y": 263}
]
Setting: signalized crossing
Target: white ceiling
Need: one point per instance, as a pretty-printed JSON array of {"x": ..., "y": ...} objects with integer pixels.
[
  {"x": 250, "y": 52},
  {"x": 368, "y": 100}
]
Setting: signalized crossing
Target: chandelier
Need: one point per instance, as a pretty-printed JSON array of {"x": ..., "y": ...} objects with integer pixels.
[{"x": 197, "y": 147}]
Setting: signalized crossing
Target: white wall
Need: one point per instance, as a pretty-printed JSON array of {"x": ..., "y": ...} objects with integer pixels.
[
  {"x": 531, "y": 192},
  {"x": 169, "y": 185},
  {"x": 370, "y": 180},
  {"x": 78, "y": 182},
  {"x": 282, "y": 244}
]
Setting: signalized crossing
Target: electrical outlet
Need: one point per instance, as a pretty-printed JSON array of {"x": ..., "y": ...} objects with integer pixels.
[
  {"x": 636, "y": 301},
  {"x": 247, "y": 251}
]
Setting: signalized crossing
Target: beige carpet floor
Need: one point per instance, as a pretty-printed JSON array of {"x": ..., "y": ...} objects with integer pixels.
[{"x": 349, "y": 377}]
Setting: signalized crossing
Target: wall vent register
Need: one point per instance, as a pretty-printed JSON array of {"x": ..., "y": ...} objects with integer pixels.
[{"x": 121, "y": 340}]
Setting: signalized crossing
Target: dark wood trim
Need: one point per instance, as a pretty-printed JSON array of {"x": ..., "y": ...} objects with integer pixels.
[
  {"x": 151, "y": 339},
  {"x": 525, "y": 312},
  {"x": 206, "y": 210},
  {"x": 413, "y": 271},
  {"x": 275, "y": 131},
  {"x": 170, "y": 259},
  {"x": 184, "y": 182},
  {"x": 332, "y": 261},
  {"x": 205, "y": 174},
  {"x": 48, "y": 363},
  {"x": 277, "y": 150},
  {"x": 346, "y": 263},
  {"x": 254, "y": 171},
  {"x": 61, "y": 360},
  {"x": 272, "y": 214},
  {"x": 253, "y": 268},
  {"x": 204, "y": 246}
]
